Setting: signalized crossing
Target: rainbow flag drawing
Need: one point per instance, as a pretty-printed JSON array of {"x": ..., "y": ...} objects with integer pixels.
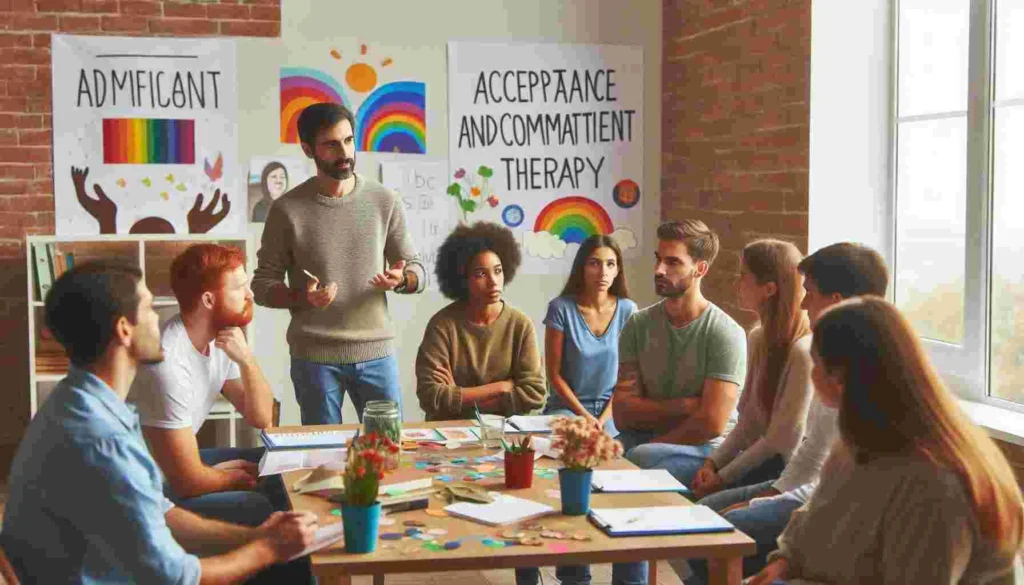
[
  {"x": 574, "y": 219},
  {"x": 149, "y": 141},
  {"x": 301, "y": 87},
  {"x": 393, "y": 119}
]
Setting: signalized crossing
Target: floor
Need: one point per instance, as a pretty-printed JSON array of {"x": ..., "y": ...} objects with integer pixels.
[{"x": 601, "y": 574}]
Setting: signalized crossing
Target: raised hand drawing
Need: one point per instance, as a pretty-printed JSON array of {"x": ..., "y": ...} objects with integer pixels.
[
  {"x": 103, "y": 209},
  {"x": 200, "y": 220}
]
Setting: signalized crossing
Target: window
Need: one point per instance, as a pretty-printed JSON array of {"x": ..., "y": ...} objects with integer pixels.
[{"x": 959, "y": 189}]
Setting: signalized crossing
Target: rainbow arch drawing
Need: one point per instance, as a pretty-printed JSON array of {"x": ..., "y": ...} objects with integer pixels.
[
  {"x": 573, "y": 219},
  {"x": 302, "y": 87},
  {"x": 393, "y": 119}
]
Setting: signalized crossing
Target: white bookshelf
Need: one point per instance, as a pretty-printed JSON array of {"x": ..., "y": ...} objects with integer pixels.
[{"x": 152, "y": 248}]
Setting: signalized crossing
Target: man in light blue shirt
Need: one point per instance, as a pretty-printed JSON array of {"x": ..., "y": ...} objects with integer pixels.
[{"x": 86, "y": 500}]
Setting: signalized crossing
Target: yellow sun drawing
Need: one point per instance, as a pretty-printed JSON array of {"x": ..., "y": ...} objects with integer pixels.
[{"x": 361, "y": 77}]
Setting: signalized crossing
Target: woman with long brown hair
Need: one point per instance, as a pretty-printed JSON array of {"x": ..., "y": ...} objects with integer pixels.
[
  {"x": 581, "y": 338},
  {"x": 913, "y": 491},
  {"x": 777, "y": 391}
]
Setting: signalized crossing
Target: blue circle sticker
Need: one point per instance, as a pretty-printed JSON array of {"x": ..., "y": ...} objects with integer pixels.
[{"x": 513, "y": 216}]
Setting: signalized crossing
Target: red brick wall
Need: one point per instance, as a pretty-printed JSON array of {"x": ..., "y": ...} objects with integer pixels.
[
  {"x": 26, "y": 174},
  {"x": 735, "y": 110}
]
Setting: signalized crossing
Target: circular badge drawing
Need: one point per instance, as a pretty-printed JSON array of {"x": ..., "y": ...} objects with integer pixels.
[
  {"x": 512, "y": 215},
  {"x": 626, "y": 193}
]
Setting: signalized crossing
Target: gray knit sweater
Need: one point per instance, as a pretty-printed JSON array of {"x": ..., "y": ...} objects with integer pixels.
[{"x": 346, "y": 240}]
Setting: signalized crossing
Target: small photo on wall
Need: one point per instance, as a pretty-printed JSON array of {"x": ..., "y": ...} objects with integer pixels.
[{"x": 269, "y": 178}]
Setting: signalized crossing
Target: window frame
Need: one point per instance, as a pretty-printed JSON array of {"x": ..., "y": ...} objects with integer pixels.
[{"x": 966, "y": 367}]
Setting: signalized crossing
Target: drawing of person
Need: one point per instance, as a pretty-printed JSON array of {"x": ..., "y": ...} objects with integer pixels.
[{"x": 273, "y": 184}]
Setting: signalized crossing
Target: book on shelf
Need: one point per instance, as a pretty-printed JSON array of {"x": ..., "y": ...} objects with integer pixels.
[{"x": 44, "y": 272}]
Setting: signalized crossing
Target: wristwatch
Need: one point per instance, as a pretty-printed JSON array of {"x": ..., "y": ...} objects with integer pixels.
[{"x": 405, "y": 283}]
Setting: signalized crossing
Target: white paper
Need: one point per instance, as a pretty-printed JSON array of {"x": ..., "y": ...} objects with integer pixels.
[
  {"x": 325, "y": 537},
  {"x": 636, "y": 480},
  {"x": 283, "y": 461},
  {"x": 532, "y": 424},
  {"x": 181, "y": 92},
  {"x": 661, "y": 519},
  {"x": 429, "y": 213},
  {"x": 504, "y": 510},
  {"x": 559, "y": 165}
]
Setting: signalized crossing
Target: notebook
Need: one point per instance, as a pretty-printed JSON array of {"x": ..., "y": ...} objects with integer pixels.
[
  {"x": 307, "y": 440},
  {"x": 658, "y": 520},
  {"x": 281, "y": 461},
  {"x": 503, "y": 510},
  {"x": 635, "y": 480},
  {"x": 531, "y": 424}
]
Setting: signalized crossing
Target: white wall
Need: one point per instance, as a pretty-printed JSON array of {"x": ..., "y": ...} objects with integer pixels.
[
  {"x": 415, "y": 34},
  {"x": 851, "y": 96}
]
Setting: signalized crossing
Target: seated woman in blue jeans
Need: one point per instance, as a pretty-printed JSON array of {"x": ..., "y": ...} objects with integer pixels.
[
  {"x": 581, "y": 345},
  {"x": 777, "y": 391}
]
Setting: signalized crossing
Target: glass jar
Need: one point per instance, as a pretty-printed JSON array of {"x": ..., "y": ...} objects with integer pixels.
[{"x": 384, "y": 418}]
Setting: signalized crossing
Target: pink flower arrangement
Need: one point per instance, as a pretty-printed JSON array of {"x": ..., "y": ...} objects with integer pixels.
[
  {"x": 582, "y": 445},
  {"x": 367, "y": 461}
]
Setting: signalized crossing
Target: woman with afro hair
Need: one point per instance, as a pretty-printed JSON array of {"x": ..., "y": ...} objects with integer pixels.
[{"x": 478, "y": 350}]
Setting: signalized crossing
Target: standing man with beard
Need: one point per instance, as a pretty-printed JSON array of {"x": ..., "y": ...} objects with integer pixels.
[
  {"x": 206, "y": 355},
  {"x": 342, "y": 241},
  {"x": 682, "y": 360}
]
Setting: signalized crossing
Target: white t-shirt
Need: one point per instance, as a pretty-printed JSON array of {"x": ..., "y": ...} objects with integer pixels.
[{"x": 180, "y": 391}]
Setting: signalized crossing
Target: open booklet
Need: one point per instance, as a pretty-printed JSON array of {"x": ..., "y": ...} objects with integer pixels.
[
  {"x": 325, "y": 536},
  {"x": 307, "y": 440},
  {"x": 531, "y": 424},
  {"x": 659, "y": 520},
  {"x": 285, "y": 460}
]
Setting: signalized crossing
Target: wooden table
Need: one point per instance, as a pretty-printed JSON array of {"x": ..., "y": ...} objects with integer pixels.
[{"x": 723, "y": 551}]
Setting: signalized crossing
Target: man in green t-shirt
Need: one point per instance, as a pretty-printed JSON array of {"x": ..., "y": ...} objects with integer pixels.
[{"x": 681, "y": 361}]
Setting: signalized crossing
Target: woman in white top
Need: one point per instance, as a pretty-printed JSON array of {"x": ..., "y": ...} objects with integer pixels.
[
  {"x": 913, "y": 492},
  {"x": 777, "y": 391}
]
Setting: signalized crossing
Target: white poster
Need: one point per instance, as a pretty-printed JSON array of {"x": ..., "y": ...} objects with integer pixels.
[
  {"x": 145, "y": 136},
  {"x": 548, "y": 140},
  {"x": 428, "y": 211}
]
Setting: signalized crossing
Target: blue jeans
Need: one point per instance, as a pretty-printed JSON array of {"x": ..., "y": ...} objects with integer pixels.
[
  {"x": 682, "y": 461},
  {"x": 632, "y": 438},
  {"x": 249, "y": 508},
  {"x": 622, "y": 574},
  {"x": 320, "y": 388},
  {"x": 246, "y": 507},
  {"x": 594, "y": 407},
  {"x": 764, "y": 523}
]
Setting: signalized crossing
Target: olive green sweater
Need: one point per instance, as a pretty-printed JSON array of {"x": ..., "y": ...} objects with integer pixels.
[{"x": 477, "y": 355}]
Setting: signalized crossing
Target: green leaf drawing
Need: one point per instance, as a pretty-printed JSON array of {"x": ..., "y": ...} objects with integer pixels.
[
  {"x": 454, "y": 189},
  {"x": 468, "y": 205},
  {"x": 485, "y": 172}
]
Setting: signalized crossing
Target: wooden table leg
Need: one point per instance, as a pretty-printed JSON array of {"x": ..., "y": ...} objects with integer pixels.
[
  {"x": 652, "y": 572},
  {"x": 725, "y": 571},
  {"x": 378, "y": 580}
]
